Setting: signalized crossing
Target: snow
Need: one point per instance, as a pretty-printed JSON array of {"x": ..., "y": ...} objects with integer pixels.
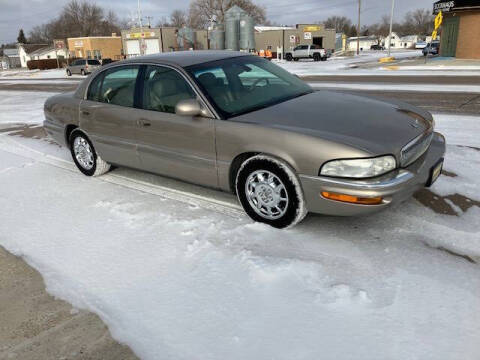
[
  {"x": 183, "y": 274},
  {"x": 460, "y": 129},
  {"x": 397, "y": 87},
  {"x": 37, "y": 74},
  {"x": 177, "y": 281},
  {"x": 22, "y": 106}
]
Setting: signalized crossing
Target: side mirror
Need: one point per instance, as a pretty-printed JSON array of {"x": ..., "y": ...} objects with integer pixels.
[{"x": 188, "y": 107}]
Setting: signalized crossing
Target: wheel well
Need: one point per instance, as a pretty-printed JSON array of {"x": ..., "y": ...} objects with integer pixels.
[
  {"x": 68, "y": 131},
  {"x": 235, "y": 166}
]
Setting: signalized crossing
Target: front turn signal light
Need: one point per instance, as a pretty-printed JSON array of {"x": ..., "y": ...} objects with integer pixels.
[{"x": 352, "y": 199}]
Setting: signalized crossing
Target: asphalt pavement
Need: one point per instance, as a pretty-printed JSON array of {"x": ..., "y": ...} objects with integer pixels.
[{"x": 436, "y": 101}]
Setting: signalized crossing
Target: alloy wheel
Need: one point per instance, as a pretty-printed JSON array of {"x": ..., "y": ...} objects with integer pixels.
[
  {"x": 83, "y": 153},
  {"x": 266, "y": 194}
]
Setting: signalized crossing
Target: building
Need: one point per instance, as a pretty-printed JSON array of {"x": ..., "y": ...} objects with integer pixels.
[
  {"x": 460, "y": 32},
  {"x": 162, "y": 39},
  {"x": 283, "y": 39},
  {"x": 401, "y": 42},
  {"x": 25, "y": 50},
  {"x": 48, "y": 52},
  {"x": 96, "y": 47},
  {"x": 365, "y": 42},
  {"x": 11, "y": 59}
]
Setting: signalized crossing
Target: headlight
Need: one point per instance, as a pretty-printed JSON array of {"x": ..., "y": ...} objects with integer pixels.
[{"x": 359, "y": 168}]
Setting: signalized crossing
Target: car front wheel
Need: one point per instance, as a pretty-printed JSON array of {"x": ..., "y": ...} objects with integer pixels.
[
  {"x": 85, "y": 157},
  {"x": 270, "y": 192},
  {"x": 69, "y": 73}
]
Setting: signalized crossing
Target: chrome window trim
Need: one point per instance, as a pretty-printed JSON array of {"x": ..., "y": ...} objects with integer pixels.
[{"x": 180, "y": 70}]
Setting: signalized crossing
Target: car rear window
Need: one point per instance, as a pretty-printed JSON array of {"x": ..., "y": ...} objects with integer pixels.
[{"x": 93, "y": 62}]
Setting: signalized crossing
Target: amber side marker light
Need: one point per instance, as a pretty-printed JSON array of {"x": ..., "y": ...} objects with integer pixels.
[{"x": 352, "y": 199}]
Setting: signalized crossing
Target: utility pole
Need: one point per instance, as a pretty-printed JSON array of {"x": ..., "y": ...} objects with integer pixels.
[
  {"x": 149, "y": 18},
  {"x": 141, "y": 27},
  {"x": 358, "y": 26},
  {"x": 391, "y": 25}
]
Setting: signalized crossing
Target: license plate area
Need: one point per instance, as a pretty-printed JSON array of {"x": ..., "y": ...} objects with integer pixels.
[{"x": 435, "y": 172}]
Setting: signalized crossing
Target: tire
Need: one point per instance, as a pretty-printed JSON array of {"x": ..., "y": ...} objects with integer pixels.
[
  {"x": 96, "y": 165},
  {"x": 277, "y": 187},
  {"x": 69, "y": 73},
  {"x": 83, "y": 72},
  {"x": 288, "y": 57},
  {"x": 295, "y": 59},
  {"x": 316, "y": 57}
]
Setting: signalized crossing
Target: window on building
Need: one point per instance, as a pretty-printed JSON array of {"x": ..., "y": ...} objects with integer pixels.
[
  {"x": 97, "y": 54},
  {"x": 89, "y": 54}
]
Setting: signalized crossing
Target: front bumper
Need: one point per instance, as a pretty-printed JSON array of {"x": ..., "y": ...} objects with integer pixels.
[{"x": 393, "y": 187}]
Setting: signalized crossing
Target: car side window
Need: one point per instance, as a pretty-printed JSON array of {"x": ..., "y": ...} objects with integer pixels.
[
  {"x": 94, "y": 93},
  {"x": 118, "y": 86},
  {"x": 163, "y": 88}
]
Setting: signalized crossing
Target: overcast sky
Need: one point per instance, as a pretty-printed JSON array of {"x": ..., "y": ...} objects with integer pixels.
[{"x": 16, "y": 14}]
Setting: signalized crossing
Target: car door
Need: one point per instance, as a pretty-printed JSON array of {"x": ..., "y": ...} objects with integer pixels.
[
  {"x": 108, "y": 115},
  {"x": 182, "y": 147},
  {"x": 303, "y": 52},
  {"x": 74, "y": 67}
]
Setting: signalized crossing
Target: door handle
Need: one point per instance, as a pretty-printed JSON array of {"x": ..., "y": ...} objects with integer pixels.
[
  {"x": 85, "y": 112},
  {"x": 143, "y": 122}
]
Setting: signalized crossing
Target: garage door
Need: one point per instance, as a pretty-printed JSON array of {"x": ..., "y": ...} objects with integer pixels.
[
  {"x": 133, "y": 48},
  {"x": 152, "y": 46}
]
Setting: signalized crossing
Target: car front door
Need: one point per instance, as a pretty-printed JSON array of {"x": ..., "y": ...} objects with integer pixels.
[
  {"x": 178, "y": 146},
  {"x": 108, "y": 115}
]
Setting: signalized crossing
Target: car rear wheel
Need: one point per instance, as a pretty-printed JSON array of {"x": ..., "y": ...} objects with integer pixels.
[
  {"x": 69, "y": 73},
  {"x": 85, "y": 157},
  {"x": 270, "y": 192},
  {"x": 83, "y": 72}
]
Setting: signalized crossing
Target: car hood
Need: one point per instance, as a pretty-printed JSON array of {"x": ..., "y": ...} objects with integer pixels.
[{"x": 375, "y": 125}]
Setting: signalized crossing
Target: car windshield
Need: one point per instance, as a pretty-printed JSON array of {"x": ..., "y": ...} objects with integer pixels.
[{"x": 247, "y": 83}]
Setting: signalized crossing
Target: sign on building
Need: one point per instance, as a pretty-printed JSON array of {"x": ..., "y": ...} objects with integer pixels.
[
  {"x": 311, "y": 28},
  {"x": 140, "y": 35},
  {"x": 293, "y": 39},
  {"x": 444, "y": 6},
  {"x": 59, "y": 44},
  {"x": 307, "y": 35}
]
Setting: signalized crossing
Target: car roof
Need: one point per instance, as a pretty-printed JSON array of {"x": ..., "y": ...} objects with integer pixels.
[{"x": 187, "y": 57}]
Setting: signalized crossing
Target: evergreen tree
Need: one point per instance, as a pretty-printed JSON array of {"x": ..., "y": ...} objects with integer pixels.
[{"x": 21, "y": 37}]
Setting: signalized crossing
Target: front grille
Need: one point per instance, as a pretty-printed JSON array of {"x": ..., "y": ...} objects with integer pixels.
[{"x": 415, "y": 148}]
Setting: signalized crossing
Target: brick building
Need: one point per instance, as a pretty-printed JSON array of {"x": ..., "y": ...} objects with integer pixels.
[
  {"x": 96, "y": 47},
  {"x": 460, "y": 33}
]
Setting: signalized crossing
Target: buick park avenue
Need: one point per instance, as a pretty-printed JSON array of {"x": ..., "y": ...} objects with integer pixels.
[{"x": 239, "y": 123}]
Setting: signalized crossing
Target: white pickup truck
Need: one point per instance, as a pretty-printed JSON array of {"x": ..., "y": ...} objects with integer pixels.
[{"x": 314, "y": 52}]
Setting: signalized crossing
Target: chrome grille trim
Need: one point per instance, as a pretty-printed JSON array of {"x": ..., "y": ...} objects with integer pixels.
[{"x": 415, "y": 148}]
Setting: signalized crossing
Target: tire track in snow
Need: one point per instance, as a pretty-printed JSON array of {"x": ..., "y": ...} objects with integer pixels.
[{"x": 231, "y": 209}]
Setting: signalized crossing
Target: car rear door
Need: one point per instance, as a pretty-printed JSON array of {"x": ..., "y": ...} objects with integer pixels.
[
  {"x": 108, "y": 115},
  {"x": 182, "y": 147}
]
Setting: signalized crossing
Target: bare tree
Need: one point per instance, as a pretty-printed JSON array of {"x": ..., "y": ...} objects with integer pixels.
[
  {"x": 178, "y": 18},
  {"x": 339, "y": 23},
  {"x": 77, "y": 19},
  {"x": 201, "y": 11},
  {"x": 418, "y": 22}
]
